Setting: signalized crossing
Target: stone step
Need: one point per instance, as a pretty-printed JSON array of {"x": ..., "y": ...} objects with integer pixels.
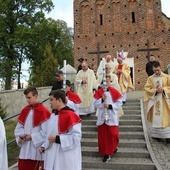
[
  {"x": 132, "y": 153},
  {"x": 130, "y": 122},
  {"x": 132, "y": 128},
  {"x": 117, "y": 163},
  {"x": 123, "y": 143},
  {"x": 121, "y": 153},
  {"x": 131, "y": 117},
  {"x": 131, "y": 112},
  {"x": 135, "y": 101},
  {"x": 123, "y": 135},
  {"x": 131, "y": 107},
  {"x": 122, "y": 121}
]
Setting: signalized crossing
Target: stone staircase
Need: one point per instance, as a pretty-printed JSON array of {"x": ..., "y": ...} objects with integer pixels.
[{"x": 132, "y": 153}]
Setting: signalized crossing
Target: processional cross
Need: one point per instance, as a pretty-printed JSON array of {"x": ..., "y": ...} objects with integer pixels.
[
  {"x": 148, "y": 49},
  {"x": 98, "y": 52}
]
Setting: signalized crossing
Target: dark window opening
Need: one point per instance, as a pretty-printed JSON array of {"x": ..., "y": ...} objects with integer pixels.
[
  {"x": 133, "y": 17},
  {"x": 101, "y": 19}
]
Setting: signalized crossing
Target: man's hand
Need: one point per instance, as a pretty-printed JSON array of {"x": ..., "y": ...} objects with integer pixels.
[{"x": 159, "y": 89}]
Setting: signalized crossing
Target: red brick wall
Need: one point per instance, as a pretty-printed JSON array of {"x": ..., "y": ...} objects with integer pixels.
[{"x": 118, "y": 32}]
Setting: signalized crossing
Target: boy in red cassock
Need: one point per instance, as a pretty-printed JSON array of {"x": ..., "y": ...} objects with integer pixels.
[
  {"x": 108, "y": 103},
  {"x": 30, "y": 131}
]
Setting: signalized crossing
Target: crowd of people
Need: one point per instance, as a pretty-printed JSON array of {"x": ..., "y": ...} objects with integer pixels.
[{"x": 51, "y": 140}]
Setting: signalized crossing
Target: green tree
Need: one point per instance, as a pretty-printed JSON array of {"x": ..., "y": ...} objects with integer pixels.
[
  {"x": 15, "y": 15},
  {"x": 53, "y": 34},
  {"x": 43, "y": 74},
  {"x": 57, "y": 35}
]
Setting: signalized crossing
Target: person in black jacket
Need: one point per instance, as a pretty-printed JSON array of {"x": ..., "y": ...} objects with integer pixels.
[
  {"x": 80, "y": 65},
  {"x": 149, "y": 65},
  {"x": 58, "y": 84}
]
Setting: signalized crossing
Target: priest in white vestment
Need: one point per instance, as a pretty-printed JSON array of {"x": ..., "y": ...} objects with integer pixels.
[
  {"x": 114, "y": 79},
  {"x": 108, "y": 60},
  {"x": 86, "y": 81},
  {"x": 3, "y": 147},
  {"x": 157, "y": 98}
]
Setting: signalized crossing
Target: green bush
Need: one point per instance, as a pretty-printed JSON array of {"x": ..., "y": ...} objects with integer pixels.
[{"x": 3, "y": 112}]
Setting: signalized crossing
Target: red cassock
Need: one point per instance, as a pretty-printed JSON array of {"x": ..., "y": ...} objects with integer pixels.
[{"x": 108, "y": 139}]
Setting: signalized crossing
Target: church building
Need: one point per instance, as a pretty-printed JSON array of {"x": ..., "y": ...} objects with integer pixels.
[{"x": 139, "y": 27}]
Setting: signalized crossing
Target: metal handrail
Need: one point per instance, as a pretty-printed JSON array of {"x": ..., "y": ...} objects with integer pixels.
[{"x": 8, "y": 118}]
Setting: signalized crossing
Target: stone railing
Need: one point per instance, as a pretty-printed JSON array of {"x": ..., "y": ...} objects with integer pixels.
[{"x": 15, "y": 99}]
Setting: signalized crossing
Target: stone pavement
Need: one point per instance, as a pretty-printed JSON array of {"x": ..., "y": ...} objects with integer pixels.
[{"x": 161, "y": 150}]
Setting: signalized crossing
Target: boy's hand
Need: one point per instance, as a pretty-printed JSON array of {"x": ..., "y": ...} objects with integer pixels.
[
  {"x": 27, "y": 137},
  {"x": 52, "y": 138},
  {"x": 41, "y": 150}
]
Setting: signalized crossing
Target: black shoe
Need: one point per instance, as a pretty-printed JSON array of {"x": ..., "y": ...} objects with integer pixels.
[
  {"x": 124, "y": 102},
  {"x": 168, "y": 140},
  {"x": 106, "y": 158},
  {"x": 157, "y": 139},
  {"x": 115, "y": 150}
]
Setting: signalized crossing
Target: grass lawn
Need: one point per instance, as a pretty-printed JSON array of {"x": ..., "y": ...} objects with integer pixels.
[{"x": 13, "y": 149}]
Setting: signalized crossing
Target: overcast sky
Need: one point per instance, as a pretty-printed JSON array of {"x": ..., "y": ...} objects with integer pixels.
[{"x": 64, "y": 10}]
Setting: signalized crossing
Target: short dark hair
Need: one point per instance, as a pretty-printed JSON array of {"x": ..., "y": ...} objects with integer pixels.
[
  {"x": 59, "y": 94},
  {"x": 108, "y": 76},
  {"x": 32, "y": 90},
  {"x": 68, "y": 83},
  {"x": 156, "y": 64},
  {"x": 59, "y": 72}
]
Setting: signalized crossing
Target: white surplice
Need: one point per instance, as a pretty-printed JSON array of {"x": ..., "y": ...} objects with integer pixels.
[
  {"x": 64, "y": 156},
  {"x": 73, "y": 106},
  {"x": 3, "y": 147},
  {"x": 112, "y": 114},
  {"x": 29, "y": 149}
]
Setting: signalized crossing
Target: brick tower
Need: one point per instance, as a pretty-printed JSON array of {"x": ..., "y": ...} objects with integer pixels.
[{"x": 104, "y": 27}]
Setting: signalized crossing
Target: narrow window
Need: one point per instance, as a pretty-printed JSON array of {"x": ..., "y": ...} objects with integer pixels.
[
  {"x": 101, "y": 19},
  {"x": 133, "y": 17}
]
